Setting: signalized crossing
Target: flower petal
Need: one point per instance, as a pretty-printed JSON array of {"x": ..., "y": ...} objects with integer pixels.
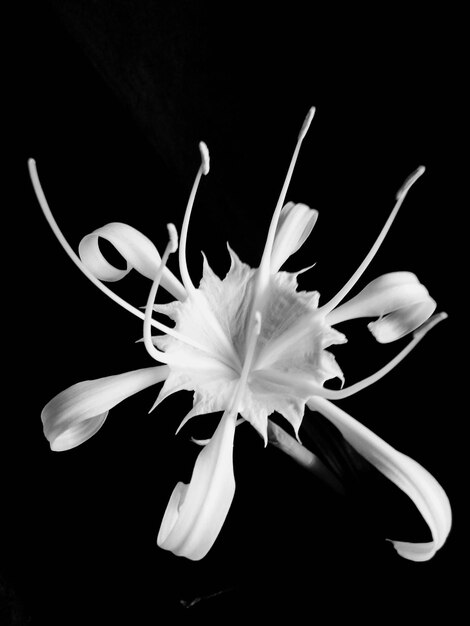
[
  {"x": 196, "y": 512},
  {"x": 212, "y": 382},
  {"x": 138, "y": 251},
  {"x": 76, "y": 414},
  {"x": 400, "y": 301},
  {"x": 426, "y": 493},
  {"x": 296, "y": 222}
]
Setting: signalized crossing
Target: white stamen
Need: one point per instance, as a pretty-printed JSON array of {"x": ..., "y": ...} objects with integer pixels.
[
  {"x": 203, "y": 169},
  {"x": 83, "y": 268},
  {"x": 69, "y": 250},
  {"x": 263, "y": 271},
  {"x": 307, "y": 122},
  {"x": 204, "y": 150},
  {"x": 412, "y": 178},
  {"x": 306, "y": 386},
  {"x": 430, "y": 323},
  {"x": 370, "y": 380},
  {"x": 342, "y": 293},
  {"x": 148, "y": 341},
  {"x": 173, "y": 236}
]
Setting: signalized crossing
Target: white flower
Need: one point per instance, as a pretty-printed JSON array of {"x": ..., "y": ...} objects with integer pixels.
[{"x": 248, "y": 345}]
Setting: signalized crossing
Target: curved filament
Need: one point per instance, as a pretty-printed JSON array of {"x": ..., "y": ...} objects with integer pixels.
[
  {"x": 82, "y": 267},
  {"x": 264, "y": 268},
  {"x": 400, "y": 196},
  {"x": 306, "y": 386},
  {"x": 171, "y": 247},
  {"x": 203, "y": 169}
]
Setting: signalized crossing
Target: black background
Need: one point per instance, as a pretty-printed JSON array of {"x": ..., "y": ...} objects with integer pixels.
[{"x": 111, "y": 99}]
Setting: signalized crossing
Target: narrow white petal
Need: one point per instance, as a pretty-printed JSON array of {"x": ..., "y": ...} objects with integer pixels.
[
  {"x": 423, "y": 489},
  {"x": 400, "y": 301},
  {"x": 138, "y": 251},
  {"x": 296, "y": 222},
  {"x": 196, "y": 512},
  {"x": 77, "y": 413}
]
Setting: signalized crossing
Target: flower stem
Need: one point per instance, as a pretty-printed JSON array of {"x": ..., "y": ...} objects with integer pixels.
[{"x": 279, "y": 438}]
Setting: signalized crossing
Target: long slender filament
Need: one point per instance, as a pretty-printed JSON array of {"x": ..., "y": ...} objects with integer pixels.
[
  {"x": 339, "y": 394},
  {"x": 264, "y": 271},
  {"x": 203, "y": 169},
  {"x": 401, "y": 195},
  {"x": 78, "y": 262},
  {"x": 171, "y": 247},
  {"x": 264, "y": 268},
  {"x": 307, "y": 386}
]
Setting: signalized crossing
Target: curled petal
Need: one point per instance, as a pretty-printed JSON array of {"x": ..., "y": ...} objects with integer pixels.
[
  {"x": 138, "y": 251},
  {"x": 76, "y": 414},
  {"x": 196, "y": 512},
  {"x": 400, "y": 301},
  {"x": 296, "y": 222},
  {"x": 423, "y": 489}
]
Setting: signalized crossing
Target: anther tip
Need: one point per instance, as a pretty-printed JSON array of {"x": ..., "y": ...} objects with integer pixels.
[
  {"x": 411, "y": 179},
  {"x": 173, "y": 235},
  {"x": 307, "y": 122},
  {"x": 32, "y": 167},
  {"x": 430, "y": 323},
  {"x": 205, "y": 160}
]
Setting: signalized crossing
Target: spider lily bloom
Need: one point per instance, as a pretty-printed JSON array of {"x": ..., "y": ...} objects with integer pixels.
[{"x": 249, "y": 345}]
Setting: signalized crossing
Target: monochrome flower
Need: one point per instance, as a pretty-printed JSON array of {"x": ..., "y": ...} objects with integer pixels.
[{"x": 249, "y": 345}]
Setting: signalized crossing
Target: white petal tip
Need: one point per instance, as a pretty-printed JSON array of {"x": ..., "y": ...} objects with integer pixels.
[
  {"x": 307, "y": 122},
  {"x": 205, "y": 160},
  {"x": 154, "y": 406},
  {"x": 75, "y": 434},
  {"x": 412, "y": 178},
  {"x": 417, "y": 552}
]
